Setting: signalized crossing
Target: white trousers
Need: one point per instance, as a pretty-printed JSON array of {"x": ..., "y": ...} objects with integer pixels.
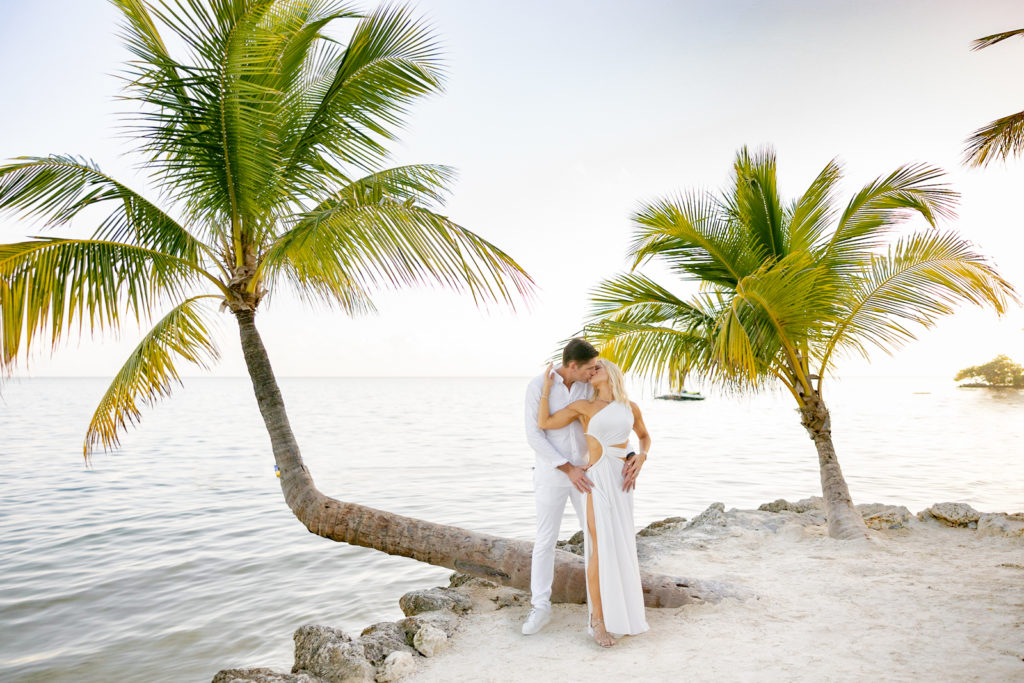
[{"x": 550, "y": 501}]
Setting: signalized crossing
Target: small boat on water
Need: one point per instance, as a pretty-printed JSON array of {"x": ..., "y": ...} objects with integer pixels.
[{"x": 682, "y": 396}]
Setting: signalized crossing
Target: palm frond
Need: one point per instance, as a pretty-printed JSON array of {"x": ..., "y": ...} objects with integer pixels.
[
  {"x": 53, "y": 284},
  {"x": 423, "y": 185},
  {"x": 923, "y": 277},
  {"x": 788, "y": 300},
  {"x": 55, "y": 189},
  {"x": 301, "y": 23},
  {"x": 150, "y": 372},
  {"x": 880, "y": 205},
  {"x": 363, "y": 95},
  {"x": 250, "y": 110},
  {"x": 154, "y": 66},
  {"x": 982, "y": 43},
  {"x": 370, "y": 246},
  {"x": 1000, "y": 139},
  {"x": 812, "y": 214},
  {"x": 691, "y": 235},
  {"x": 12, "y": 318},
  {"x": 655, "y": 351},
  {"x": 756, "y": 202},
  {"x": 633, "y": 298},
  {"x": 211, "y": 129}
]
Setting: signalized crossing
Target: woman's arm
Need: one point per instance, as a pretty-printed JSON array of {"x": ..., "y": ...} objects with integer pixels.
[
  {"x": 561, "y": 418},
  {"x": 641, "y": 431},
  {"x": 632, "y": 467}
]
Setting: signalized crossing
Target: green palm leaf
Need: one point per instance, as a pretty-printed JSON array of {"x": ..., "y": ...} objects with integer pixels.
[
  {"x": 812, "y": 214},
  {"x": 12, "y": 317},
  {"x": 391, "y": 245},
  {"x": 1000, "y": 139},
  {"x": 635, "y": 299},
  {"x": 655, "y": 350},
  {"x": 150, "y": 372},
  {"x": 786, "y": 301},
  {"x": 363, "y": 94},
  {"x": 54, "y": 284},
  {"x": 423, "y": 185},
  {"x": 755, "y": 202},
  {"x": 154, "y": 68},
  {"x": 864, "y": 225},
  {"x": 693, "y": 236},
  {"x": 57, "y": 188},
  {"x": 982, "y": 43},
  {"x": 923, "y": 277},
  {"x": 1003, "y": 137}
]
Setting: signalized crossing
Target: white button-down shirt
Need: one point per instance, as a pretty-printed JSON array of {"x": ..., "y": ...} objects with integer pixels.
[{"x": 554, "y": 447}]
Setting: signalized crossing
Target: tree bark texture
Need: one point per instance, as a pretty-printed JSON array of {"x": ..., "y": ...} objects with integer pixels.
[
  {"x": 503, "y": 560},
  {"x": 844, "y": 521}
]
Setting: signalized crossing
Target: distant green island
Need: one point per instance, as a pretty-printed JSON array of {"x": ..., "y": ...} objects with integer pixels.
[{"x": 998, "y": 372}]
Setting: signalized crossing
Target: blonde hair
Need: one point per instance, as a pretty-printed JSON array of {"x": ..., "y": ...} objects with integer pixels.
[{"x": 616, "y": 381}]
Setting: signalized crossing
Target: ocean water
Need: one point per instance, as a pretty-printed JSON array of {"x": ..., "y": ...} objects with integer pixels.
[{"x": 176, "y": 556}]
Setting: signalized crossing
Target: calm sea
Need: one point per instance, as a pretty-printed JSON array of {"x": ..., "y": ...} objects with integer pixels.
[{"x": 176, "y": 556}]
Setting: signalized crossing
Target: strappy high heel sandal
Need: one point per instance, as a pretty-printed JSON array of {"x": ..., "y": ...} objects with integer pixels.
[{"x": 597, "y": 631}]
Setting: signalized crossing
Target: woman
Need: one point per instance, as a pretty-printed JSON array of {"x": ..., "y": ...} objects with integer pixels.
[{"x": 614, "y": 593}]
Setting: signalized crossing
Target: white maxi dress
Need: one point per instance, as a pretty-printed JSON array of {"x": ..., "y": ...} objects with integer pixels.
[{"x": 622, "y": 598}]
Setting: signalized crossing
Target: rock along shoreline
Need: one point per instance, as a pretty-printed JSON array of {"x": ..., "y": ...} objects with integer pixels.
[{"x": 435, "y": 618}]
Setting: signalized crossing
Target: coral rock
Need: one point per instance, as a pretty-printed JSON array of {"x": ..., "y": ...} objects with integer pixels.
[
  {"x": 574, "y": 545},
  {"x": 658, "y": 528},
  {"x": 812, "y": 504},
  {"x": 430, "y": 640},
  {"x": 261, "y": 676},
  {"x": 951, "y": 514},
  {"x": 457, "y": 580},
  {"x": 433, "y": 599},
  {"x": 713, "y": 516},
  {"x": 397, "y": 665},
  {"x": 1001, "y": 525},
  {"x": 330, "y": 654},
  {"x": 878, "y": 516},
  {"x": 381, "y": 640},
  {"x": 444, "y": 620}
]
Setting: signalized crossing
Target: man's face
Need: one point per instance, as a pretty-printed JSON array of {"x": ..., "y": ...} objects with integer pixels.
[{"x": 582, "y": 372}]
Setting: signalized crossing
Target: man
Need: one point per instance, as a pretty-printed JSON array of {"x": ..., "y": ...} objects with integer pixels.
[{"x": 558, "y": 474}]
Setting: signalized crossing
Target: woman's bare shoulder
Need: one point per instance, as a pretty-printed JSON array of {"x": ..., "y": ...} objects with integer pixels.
[{"x": 582, "y": 406}]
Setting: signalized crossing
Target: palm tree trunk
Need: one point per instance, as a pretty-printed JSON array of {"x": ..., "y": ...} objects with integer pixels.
[
  {"x": 503, "y": 560},
  {"x": 844, "y": 522}
]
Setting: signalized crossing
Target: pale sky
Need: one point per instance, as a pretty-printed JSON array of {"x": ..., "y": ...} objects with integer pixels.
[{"x": 561, "y": 117}]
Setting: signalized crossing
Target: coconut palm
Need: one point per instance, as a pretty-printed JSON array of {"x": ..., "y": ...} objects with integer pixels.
[
  {"x": 785, "y": 287},
  {"x": 267, "y": 144},
  {"x": 1003, "y": 137}
]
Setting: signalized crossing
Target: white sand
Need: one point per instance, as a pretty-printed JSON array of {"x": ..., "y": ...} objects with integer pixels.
[{"x": 927, "y": 603}]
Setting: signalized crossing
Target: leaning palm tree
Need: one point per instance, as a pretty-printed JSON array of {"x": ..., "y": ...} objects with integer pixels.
[
  {"x": 1003, "y": 137},
  {"x": 268, "y": 145},
  {"x": 785, "y": 287}
]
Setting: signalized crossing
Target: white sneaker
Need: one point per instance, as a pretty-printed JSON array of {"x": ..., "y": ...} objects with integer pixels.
[{"x": 537, "y": 620}]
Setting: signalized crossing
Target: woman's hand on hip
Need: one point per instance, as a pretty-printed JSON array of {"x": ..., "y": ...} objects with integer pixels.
[{"x": 630, "y": 471}]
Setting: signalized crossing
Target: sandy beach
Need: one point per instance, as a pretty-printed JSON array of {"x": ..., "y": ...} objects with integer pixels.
[
  {"x": 921, "y": 602},
  {"x": 937, "y": 596}
]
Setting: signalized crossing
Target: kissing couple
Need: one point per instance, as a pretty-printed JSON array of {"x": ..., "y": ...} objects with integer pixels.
[{"x": 578, "y": 422}]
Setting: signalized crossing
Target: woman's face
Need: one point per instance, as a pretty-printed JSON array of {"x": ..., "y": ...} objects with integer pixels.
[{"x": 600, "y": 375}]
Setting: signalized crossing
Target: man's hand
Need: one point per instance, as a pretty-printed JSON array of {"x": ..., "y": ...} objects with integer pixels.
[
  {"x": 630, "y": 471},
  {"x": 578, "y": 477}
]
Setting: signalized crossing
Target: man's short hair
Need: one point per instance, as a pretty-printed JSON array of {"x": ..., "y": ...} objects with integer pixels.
[{"x": 578, "y": 351}]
